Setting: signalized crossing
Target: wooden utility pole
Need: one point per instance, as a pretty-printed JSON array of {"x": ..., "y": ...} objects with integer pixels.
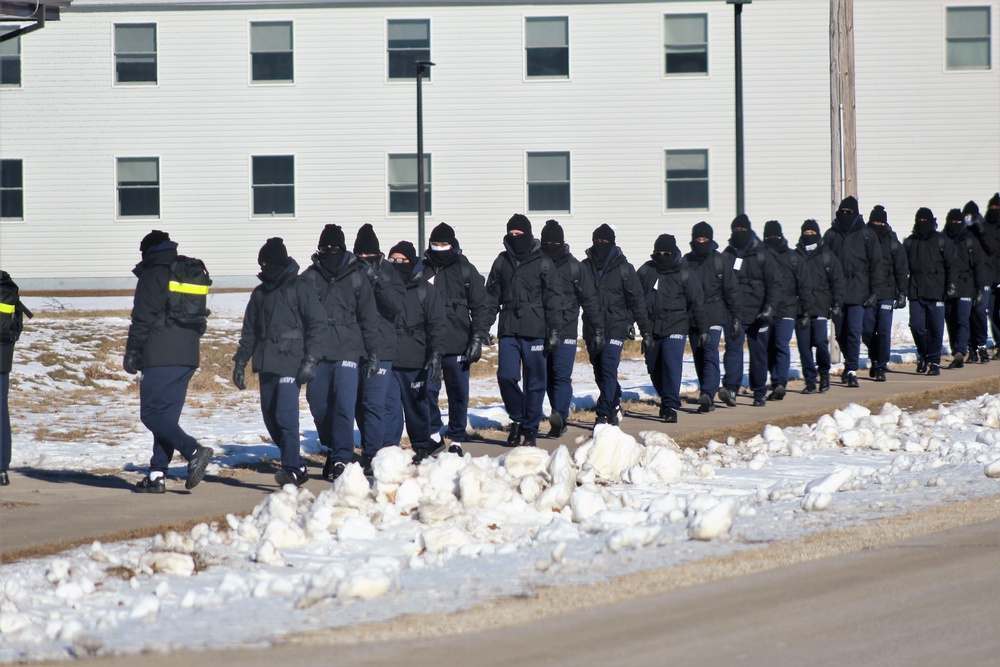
[{"x": 843, "y": 122}]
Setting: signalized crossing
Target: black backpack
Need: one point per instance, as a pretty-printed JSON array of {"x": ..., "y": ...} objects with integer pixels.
[
  {"x": 187, "y": 293},
  {"x": 12, "y": 311}
]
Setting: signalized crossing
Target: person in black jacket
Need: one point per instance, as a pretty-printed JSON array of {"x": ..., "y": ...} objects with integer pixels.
[
  {"x": 932, "y": 268},
  {"x": 674, "y": 302},
  {"x": 579, "y": 291},
  {"x": 12, "y": 313},
  {"x": 969, "y": 277},
  {"x": 389, "y": 290},
  {"x": 757, "y": 282},
  {"x": 463, "y": 293},
  {"x": 167, "y": 353},
  {"x": 340, "y": 284},
  {"x": 990, "y": 239},
  {"x": 876, "y": 331},
  {"x": 420, "y": 329},
  {"x": 620, "y": 302},
  {"x": 721, "y": 290},
  {"x": 786, "y": 307},
  {"x": 821, "y": 295},
  {"x": 524, "y": 287},
  {"x": 283, "y": 330},
  {"x": 979, "y": 319},
  {"x": 861, "y": 259}
]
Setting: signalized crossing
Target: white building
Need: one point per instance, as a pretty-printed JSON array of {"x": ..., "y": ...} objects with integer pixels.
[{"x": 227, "y": 122}]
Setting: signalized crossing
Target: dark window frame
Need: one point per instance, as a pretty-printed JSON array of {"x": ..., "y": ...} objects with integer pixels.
[
  {"x": 11, "y": 193},
  {"x": 951, "y": 41},
  {"x": 686, "y": 55},
  {"x": 137, "y": 58},
  {"x": 540, "y": 61},
  {"x": 137, "y": 199},
  {"x": 10, "y": 64},
  {"x": 543, "y": 190},
  {"x": 400, "y": 64},
  {"x": 686, "y": 185},
  {"x": 272, "y": 66},
  {"x": 266, "y": 195}
]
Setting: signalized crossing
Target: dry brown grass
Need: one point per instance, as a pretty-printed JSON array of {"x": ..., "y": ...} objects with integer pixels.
[{"x": 81, "y": 314}]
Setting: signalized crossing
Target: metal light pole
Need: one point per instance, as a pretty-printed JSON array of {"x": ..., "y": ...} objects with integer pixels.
[
  {"x": 422, "y": 66},
  {"x": 738, "y": 8}
]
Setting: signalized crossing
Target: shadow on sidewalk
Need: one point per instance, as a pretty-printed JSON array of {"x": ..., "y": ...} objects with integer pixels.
[{"x": 74, "y": 477}]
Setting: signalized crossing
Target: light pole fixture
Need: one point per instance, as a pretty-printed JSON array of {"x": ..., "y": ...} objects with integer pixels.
[
  {"x": 422, "y": 66},
  {"x": 738, "y": 8}
]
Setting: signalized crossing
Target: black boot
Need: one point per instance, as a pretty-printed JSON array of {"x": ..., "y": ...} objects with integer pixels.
[
  {"x": 921, "y": 365},
  {"x": 514, "y": 439},
  {"x": 529, "y": 438},
  {"x": 824, "y": 383}
]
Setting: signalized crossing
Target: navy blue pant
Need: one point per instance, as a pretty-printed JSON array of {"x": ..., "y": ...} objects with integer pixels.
[
  {"x": 455, "y": 374},
  {"x": 816, "y": 335},
  {"x": 706, "y": 360},
  {"x": 162, "y": 391},
  {"x": 407, "y": 399},
  {"x": 927, "y": 327},
  {"x": 279, "y": 405},
  {"x": 5, "y": 441},
  {"x": 755, "y": 336},
  {"x": 606, "y": 375},
  {"x": 779, "y": 354},
  {"x": 332, "y": 396},
  {"x": 848, "y": 331},
  {"x": 665, "y": 363},
  {"x": 370, "y": 408},
  {"x": 519, "y": 355},
  {"x": 979, "y": 322},
  {"x": 956, "y": 318},
  {"x": 995, "y": 313},
  {"x": 876, "y": 333},
  {"x": 559, "y": 374}
]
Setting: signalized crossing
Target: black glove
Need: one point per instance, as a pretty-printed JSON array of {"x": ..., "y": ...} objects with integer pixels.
[
  {"x": 900, "y": 301},
  {"x": 704, "y": 339},
  {"x": 870, "y": 301},
  {"x": 766, "y": 315},
  {"x": 307, "y": 371},
  {"x": 372, "y": 270},
  {"x": 802, "y": 322},
  {"x": 370, "y": 368},
  {"x": 735, "y": 329},
  {"x": 647, "y": 342},
  {"x": 836, "y": 310},
  {"x": 239, "y": 374},
  {"x": 552, "y": 341},
  {"x": 950, "y": 291},
  {"x": 131, "y": 361},
  {"x": 598, "y": 341},
  {"x": 474, "y": 350},
  {"x": 433, "y": 367},
  {"x": 980, "y": 296}
]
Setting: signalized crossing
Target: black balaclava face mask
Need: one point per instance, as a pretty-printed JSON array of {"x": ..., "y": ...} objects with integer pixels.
[
  {"x": 404, "y": 268},
  {"x": 881, "y": 230},
  {"x": 775, "y": 242},
  {"x": 599, "y": 252},
  {"x": 520, "y": 244},
  {"x": 554, "y": 250},
  {"x": 740, "y": 238},
  {"x": 332, "y": 259},
  {"x": 664, "y": 261},
  {"x": 924, "y": 228},
  {"x": 992, "y": 216},
  {"x": 270, "y": 272},
  {"x": 809, "y": 242},
  {"x": 441, "y": 256},
  {"x": 845, "y": 219},
  {"x": 701, "y": 250}
]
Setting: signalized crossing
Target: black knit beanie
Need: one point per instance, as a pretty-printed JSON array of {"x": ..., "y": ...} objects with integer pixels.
[
  {"x": 878, "y": 214},
  {"x": 772, "y": 228},
  {"x": 702, "y": 229},
  {"x": 153, "y": 239},
  {"x": 406, "y": 249},
  {"x": 971, "y": 208},
  {"x": 924, "y": 213},
  {"x": 741, "y": 221},
  {"x": 519, "y": 222},
  {"x": 849, "y": 203},
  {"x": 367, "y": 242},
  {"x": 332, "y": 235},
  {"x": 810, "y": 224},
  {"x": 994, "y": 200},
  {"x": 604, "y": 233},
  {"x": 954, "y": 215},
  {"x": 665, "y": 243},
  {"x": 552, "y": 232},
  {"x": 443, "y": 233},
  {"x": 273, "y": 252}
]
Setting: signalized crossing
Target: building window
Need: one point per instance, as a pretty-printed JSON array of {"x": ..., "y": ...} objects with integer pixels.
[
  {"x": 10, "y": 60},
  {"x": 687, "y": 179},
  {"x": 546, "y": 46},
  {"x": 271, "y": 54},
  {"x": 968, "y": 39},
  {"x": 138, "y": 187},
  {"x": 403, "y": 183},
  {"x": 11, "y": 190},
  {"x": 135, "y": 53},
  {"x": 408, "y": 42},
  {"x": 685, "y": 44},
  {"x": 548, "y": 182},
  {"x": 274, "y": 185}
]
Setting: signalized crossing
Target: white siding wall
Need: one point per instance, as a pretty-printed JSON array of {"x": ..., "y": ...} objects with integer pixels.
[{"x": 615, "y": 115}]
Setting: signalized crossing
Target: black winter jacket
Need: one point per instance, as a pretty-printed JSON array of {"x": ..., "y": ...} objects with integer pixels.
[
  {"x": 674, "y": 299},
  {"x": 16, "y": 320},
  {"x": 619, "y": 297},
  {"x": 351, "y": 315},
  {"x": 718, "y": 284},
  {"x": 932, "y": 265},
  {"x": 528, "y": 294},
  {"x": 756, "y": 277},
  {"x": 462, "y": 290},
  {"x": 421, "y": 325},
  {"x": 283, "y": 323},
  {"x": 389, "y": 290},
  {"x": 971, "y": 272},
  {"x": 989, "y": 238},
  {"x": 159, "y": 343},
  {"x": 860, "y": 258},
  {"x": 579, "y": 291},
  {"x": 895, "y": 275},
  {"x": 822, "y": 280},
  {"x": 785, "y": 295}
]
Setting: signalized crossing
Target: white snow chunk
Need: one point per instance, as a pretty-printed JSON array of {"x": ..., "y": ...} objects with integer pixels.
[
  {"x": 714, "y": 522},
  {"x": 268, "y": 554},
  {"x": 831, "y": 483},
  {"x": 147, "y": 606},
  {"x": 562, "y": 472},
  {"x": 586, "y": 502},
  {"x": 632, "y": 537},
  {"x": 993, "y": 470},
  {"x": 12, "y": 623},
  {"x": 774, "y": 434},
  {"x": 523, "y": 461},
  {"x": 352, "y": 483},
  {"x": 364, "y": 585},
  {"x": 356, "y": 528},
  {"x": 58, "y": 570},
  {"x": 816, "y": 501},
  {"x": 408, "y": 495},
  {"x": 559, "y": 530},
  {"x": 857, "y": 438},
  {"x": 393, "y": 465},
  {"x": 168, "y": 562},
  {"x": 438, "y": 539},
  {"x": 612, "y": 452},
  {"x": 665, "y": 467}
]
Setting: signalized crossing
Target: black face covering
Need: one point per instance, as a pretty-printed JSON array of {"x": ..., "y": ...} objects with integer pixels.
[
  {"x": 554, "y": 250},
  {"x": 953, "y": 229},
  {"x": 520, "y": 244},
  {"x": 806, "y": 240},
  {"x": 924, "y": 228},
  {"x": 405, "y": 270},
  {"x": 270, "y": 272},
  {"x": 599, "y": 253},
  {"x": 441, "y": 257},
  {"x": 845, "y": 219},
  {"x": 992, "y": 216},
  {"x": 741, "y": 238},
  {"x": 881, "y": 230},
  {"x": 663, "y": 262},
  {"x": 332, "y": 260},
  {"x": 775, "y": 242},
  {"x": 701, "y": 250}
]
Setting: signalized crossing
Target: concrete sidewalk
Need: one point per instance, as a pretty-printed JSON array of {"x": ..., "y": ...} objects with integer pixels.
[{"x": 61, "y": 510}]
